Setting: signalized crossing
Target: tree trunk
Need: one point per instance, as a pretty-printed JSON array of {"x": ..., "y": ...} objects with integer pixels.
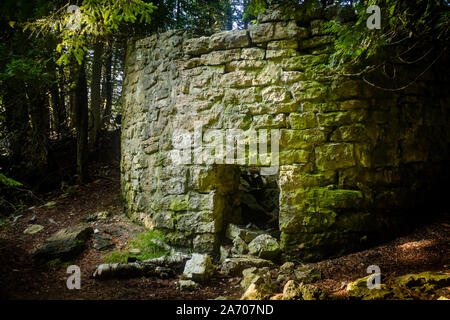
[
  {"x": 72, "y": 96},
  {"x": 17, "y": 125},
  {"x": 56, "y": 100},
  {"x": 39, "y": 114},
  {"x": 107, "y": 87},
  {"x": 96, "y": 93},
  {"x": 81, "y": 106}
]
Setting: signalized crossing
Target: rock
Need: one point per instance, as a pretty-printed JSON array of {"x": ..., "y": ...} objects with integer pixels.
[
  {"x": 32, "y": 219},
  {"x": 101, "y": 215},
  {"x": 259, "y": 289},
  {"x": 50, "y": 204},
  {"x": 287, "y": 267},
  {"x": 290, "y": 291},
  {"x": 358, "y": 290},
  {"x": 286, "y": 273},
  {"x": 310, "y": 292},
  {"x": 245, "y": 234},
  {"x": 162, "y": 267},
  {"x": 425, "y": 281},
  {"x": 32, "y": 229},
  {"x": 252, "y": 275},
  {"x": 64, "y": 244},
  {"x": 102, "y": 242},
  {"x": 265, "y": 247},
  {"x": 229, "y": 40},
  {"x": 199, "y": 268},
  {"x": 299, "y": 291},
  {"x": 224, "y": 254},
  {"x": 235, "y": 265},
  {"x": 239, "y": 246},
  {"x": 187, "y": 285},
  {"x": 278, "y": 296},
  {"x": 196, "y": 46},
  {"x": 307, "y": 274}
]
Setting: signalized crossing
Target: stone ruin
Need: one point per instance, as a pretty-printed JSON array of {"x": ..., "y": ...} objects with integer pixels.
[{"x": 355, "y": 164}]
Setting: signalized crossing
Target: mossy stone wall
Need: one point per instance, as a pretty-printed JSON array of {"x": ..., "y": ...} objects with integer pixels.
[{"x": 357, "y": 163}]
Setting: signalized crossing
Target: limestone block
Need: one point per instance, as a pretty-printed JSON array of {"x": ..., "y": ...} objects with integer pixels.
[
  {"x": 275, "y": 94},
  {"x": 261, "y": 32},
  {"x": 252, "y": 53},
  {"x": 229, "y": 40},
  {"x": 333, "y": 156},
  {"x": 196, "y": 46}
]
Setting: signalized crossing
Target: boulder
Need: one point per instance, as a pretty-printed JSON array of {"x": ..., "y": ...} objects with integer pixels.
[
  {"x": 425, "y": 281},
  {"x": 259, "y": 285},
  {"x": 199, "y": 268},
  {"x": 32, "y": 229},
  {"x": 65, "y": 244},
  {"x": 265, "y": 247},
  {"x": 252, "y": 275},
  {"x": 224, "y": 254},
  {"x": 187, "y": 285},
  {"x": 294, "y": 290},
  {"x": 102, "y": 242},
  {"x": 307, "y": 274},
  {"x": 233, "y": 231},
  {"x": 239, "y": 246},
  {"x": 358, "y": 290},
  {"x": 235, "y": 265}
]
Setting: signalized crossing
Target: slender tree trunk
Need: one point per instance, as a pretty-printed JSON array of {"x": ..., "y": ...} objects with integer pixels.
[
  {"x": 81, "y": 106},
  {"x": 72, "y": 96},
  {"x": 96, "y": 93},
  {"x": 39, "y": 114},
  {"x": 107, "y": 87},
  {"x": 57, "y": 103},
  {"x": 17, "y": 124}
]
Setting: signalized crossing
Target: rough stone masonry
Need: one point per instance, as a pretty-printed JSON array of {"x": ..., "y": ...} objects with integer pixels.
[{"x": 356, "y": 164}]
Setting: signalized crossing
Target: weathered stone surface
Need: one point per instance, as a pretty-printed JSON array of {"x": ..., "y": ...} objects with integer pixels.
[
  {"x": 229, "y": 40},
  {"x": 347, "y": 151},
  {"x": 298, "y": 291},
  {"x": 307, "y": 274},
  {"x": 239, "y": 246},
  {"x": 34, "y": 228},
  {"x": 233, "y": 231},
  {"x": 199, "y": 268},
  {"x": 64, "y": 244},
  {"x": 188, "y": 285},
  {"x": 257, "y": 284},
  {"x": 425, "y": 281},
  {"x": 102, "y": 242},
  {"x": 196, "y": 46},
  {"x": 265, "y": 247},
  {"x": 235, "y": 265},
  {"x": 253, "y": 275},
  {"x": 334, "y": 156},
  {"x": 262, "y": 32}
]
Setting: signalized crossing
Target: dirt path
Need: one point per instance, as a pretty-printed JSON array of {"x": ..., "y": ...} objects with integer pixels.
[{"x": 426, "y": 249}]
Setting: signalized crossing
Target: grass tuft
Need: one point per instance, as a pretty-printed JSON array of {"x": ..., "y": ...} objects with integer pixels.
[{"x": 142, "y": 242}]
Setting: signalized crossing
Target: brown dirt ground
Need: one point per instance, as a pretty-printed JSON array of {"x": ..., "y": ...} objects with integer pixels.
[{"x": 426, "y": 249}]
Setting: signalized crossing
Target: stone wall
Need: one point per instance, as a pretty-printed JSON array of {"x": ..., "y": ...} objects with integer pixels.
[{"x": 355, "y": 162}]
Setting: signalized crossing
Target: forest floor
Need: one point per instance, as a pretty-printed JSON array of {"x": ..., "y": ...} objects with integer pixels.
[{"x": 425, "y": 249}]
